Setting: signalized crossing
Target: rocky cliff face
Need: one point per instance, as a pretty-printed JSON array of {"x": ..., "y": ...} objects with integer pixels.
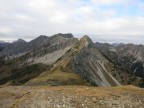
[
  {"x": 137, "y": 53},
  {"x": 128, "y": 57},
  {"x": 50, "y": 52},
  {"x": 21, "y": 47},
  {"x": 89, "y": 63},
  {"x": 14, "y": 49}
]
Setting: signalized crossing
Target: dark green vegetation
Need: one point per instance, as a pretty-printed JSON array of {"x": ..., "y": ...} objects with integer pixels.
[{"x": 19, "y": 75}]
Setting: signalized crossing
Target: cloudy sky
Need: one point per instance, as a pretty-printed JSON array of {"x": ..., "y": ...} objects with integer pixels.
[{"x": 105, "y": 20}]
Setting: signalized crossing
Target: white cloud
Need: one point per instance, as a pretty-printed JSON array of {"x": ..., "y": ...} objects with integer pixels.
[
  {"x": 114, "y": 1},
  {"x": 21, "y": 19},
  {"x": 106, "y": 1},
  {"x": 5, "y": 30}
]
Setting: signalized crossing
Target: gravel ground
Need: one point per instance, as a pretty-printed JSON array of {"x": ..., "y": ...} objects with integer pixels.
[{"x": 71, "y": 97}]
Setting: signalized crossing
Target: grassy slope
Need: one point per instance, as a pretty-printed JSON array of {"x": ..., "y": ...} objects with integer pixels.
[
  {"x": 18, "y": 76},
  {"x": 58, "y": 76},
  {"x": 61, "y": 73}
]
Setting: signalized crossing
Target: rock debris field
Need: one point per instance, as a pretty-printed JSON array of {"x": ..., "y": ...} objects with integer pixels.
[{"x": 71, "y": 97}]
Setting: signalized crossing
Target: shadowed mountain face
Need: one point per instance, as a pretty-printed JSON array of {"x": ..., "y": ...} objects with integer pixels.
[
  {"x": 68, "y": 35},
  {"x": 62, "y": 60},
  {"x": 21, "y": 47},
  {"x": 127, "y": 57},
  {"x": 14, "y": 49},
  {"x": 3, "y": 45},
  {"x": 89, "y": 63}
]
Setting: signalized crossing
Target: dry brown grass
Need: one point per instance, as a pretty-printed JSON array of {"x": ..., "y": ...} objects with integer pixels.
[{"x": 71, "y": 96}]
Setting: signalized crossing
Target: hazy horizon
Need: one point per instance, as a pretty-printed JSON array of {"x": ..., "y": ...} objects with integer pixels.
[{"x": 95, "y": 38}]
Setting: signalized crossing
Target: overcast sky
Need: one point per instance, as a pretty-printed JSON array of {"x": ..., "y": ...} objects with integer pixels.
[{"x": 107, "y": 20}]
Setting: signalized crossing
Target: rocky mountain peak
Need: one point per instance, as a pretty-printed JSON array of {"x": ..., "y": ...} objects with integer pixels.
[
  {"x": 42, "y": 36},
  {"x": 87, "y": 41},
  {"x": 67, "y": 35},
  {"x": 42, "y": 39},
  {"x": 86, "y": 38},
  {"x": 20, "y": 41}
]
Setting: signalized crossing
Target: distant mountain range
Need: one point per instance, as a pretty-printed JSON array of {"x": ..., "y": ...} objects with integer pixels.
[
  {"x": 62, "y": 59},
  {"x": 3, "y": 45},
  {"x": 118, "y": 39}
]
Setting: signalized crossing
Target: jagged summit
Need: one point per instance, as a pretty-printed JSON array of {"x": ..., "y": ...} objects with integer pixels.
[
  {"x": 67, "y": 35},
  {"x": 39, "y": 38},
  {"x": 20, "y": 40},
  {"x": 87, "y": 41},
  {"x": 39, "y": 41},
  {"x": 86, "y": 38},
  {"x": 43, "y": 36}
]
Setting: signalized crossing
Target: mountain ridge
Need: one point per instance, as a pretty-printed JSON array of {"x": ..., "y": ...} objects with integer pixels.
[{"x": 64, "y": 60}]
